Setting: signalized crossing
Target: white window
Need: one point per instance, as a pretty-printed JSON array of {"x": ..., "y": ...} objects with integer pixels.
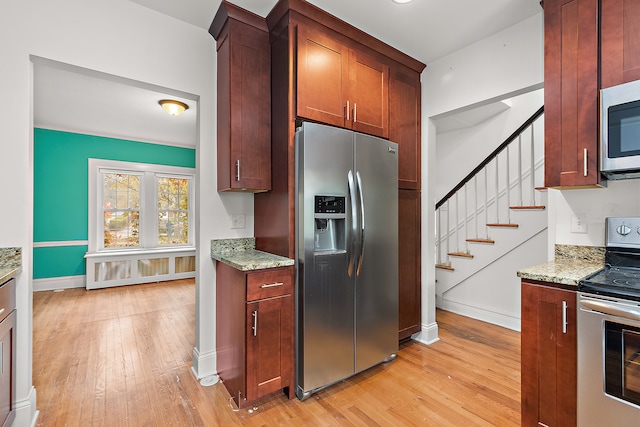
[{"x": 135, "y": 206}]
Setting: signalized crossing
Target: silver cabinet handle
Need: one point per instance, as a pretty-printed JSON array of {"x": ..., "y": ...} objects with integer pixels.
[
  {"x": 585, "y": 162},
  {"x": 355, "y": 112},
  {"x": 564, "y": 317},
  {"x": 238, "y": 170},
  {"x": 272, "y": 285},
  {"x": 347, "y": 109},
  {"x": 255, "y": 323}
]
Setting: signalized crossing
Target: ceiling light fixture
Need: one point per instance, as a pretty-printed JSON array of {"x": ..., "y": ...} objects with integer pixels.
[
  {"x": 401, "y": 1},
  {"x": 173, "y": 107}
]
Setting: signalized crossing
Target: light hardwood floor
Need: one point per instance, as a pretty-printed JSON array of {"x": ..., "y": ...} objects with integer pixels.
[{"x": 122, "y": 357}]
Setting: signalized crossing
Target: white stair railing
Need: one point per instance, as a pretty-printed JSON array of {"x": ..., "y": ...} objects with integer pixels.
[{"x": 456, "y": 233}]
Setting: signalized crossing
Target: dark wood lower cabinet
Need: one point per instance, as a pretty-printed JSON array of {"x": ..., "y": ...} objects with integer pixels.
[
  {"x": 254, "y": 332},
  {"x": 548, "y": 355},
  {"x": 7, "y": 352},
  {"x": 409, "y": 310}
]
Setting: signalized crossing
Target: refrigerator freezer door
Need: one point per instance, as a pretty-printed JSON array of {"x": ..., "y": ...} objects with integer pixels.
[
  {"x": 325, "y": 335},
  {"x": 377, "y": 282}
]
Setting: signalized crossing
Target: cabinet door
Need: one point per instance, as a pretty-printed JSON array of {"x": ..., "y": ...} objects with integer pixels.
[
  {"x": 409, "y": 303},
  {"x": 571, "y": 93},
  {"x": 404, "y": 124},
  {"x": 321, "y": 78},
  {"x": 244, "y": 109},
  {"x": 620, "y": 41},
  {"x": 548, "y": 352},
  {"x": 368, "y": 94},
  {"x": 269, "y": 345},
  {"x": 7, "y": 369}
]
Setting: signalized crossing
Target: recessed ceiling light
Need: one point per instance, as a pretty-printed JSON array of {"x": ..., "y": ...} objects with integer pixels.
[
  {"x": 401, "y": 1},
  {"x": 173, "y": 107}
]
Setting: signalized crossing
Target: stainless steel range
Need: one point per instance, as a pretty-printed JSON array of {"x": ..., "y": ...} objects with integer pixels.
[{"x": 609, "y": 332}]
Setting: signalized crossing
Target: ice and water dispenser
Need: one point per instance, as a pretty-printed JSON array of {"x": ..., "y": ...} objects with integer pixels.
[{"x": 329, "y": 229}]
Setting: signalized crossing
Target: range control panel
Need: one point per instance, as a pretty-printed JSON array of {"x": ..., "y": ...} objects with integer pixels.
[
  {"x": 330, "y": 205},
  {"x": 623, "y": 232}
]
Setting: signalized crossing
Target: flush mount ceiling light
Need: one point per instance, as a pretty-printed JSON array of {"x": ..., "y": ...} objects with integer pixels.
[
  {"x": 401, "y": 1},
  {"x": 173, "y": 107}
]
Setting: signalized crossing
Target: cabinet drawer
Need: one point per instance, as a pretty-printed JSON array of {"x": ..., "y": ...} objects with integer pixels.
[
  {"x": 7, "y": 298},
  {"x": 269, "y": 283}
]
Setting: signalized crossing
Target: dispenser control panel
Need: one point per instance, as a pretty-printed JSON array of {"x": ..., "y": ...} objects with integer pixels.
[{"x": 330, "y": 205}]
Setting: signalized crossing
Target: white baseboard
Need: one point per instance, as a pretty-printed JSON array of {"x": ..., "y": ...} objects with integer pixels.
[
  {"x": 482, "y": 314},
  {"x": 55, "y": 283},
  {"x": 428, "y": 335},
  {"x": 203, "y": 364},
  {"x": 26, "y": 413}
]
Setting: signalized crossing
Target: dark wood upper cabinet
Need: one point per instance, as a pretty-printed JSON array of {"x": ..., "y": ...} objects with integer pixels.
[
  {"x": 244, "y": 100},
  {"x": 571, "y": 93},
  {"x": 619, "y": 41},
  {"x": 404, "y": 124},
  {"x": 322, "y": 78},
  {"x": 368, "y": 94},
  {"x": 340, "y": 85}
]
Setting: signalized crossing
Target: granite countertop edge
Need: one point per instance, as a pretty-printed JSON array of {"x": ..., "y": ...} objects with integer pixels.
[
  {"x": 241, "y": 254},
  {"x": 571, "y": 264},
  {"x": 8, "y": 273}
]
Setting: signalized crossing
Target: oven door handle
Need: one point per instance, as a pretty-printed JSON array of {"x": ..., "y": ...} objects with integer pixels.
[{"x": 613, "y": 310}]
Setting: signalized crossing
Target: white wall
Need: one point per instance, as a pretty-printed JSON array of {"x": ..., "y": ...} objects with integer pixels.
[
  {"x": 124, "y": 39},
  {"x": 619, "y": 198},
  {"x": 459, "y": 151},
  {"x": 503, "y": 65}
]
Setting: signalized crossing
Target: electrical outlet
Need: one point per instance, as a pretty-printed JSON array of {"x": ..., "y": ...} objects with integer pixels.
[
  {"x": 579, "y": 223},
  {"x": 238, "y": 220}
]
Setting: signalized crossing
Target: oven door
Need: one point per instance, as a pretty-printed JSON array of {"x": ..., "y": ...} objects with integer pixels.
[{"x": 608, "y": 369}]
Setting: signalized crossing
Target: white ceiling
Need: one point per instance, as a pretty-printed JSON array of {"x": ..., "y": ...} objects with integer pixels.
[{"x": 89, "y": 102}]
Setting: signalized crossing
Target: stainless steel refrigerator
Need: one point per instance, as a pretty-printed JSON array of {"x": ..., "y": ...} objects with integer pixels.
[{"x": 347, "y": 254}]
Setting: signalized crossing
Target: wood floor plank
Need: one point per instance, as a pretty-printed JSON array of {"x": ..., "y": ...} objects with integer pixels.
[{"x": 122, "y": 357}]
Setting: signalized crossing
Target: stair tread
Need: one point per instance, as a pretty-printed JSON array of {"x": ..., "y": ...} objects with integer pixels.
[
  {"x": 528, "y": 207},
  {"x": 444, "y": 267},
  {"x": 460, "y": 254},
  {"x": 481, "y": 241},
  {"x": 502, "y": 225}
]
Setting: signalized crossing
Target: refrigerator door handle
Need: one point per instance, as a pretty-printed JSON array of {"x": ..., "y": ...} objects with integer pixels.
[
  {"x": 361, "y": 198},
  {"x": 354, "y": 222}
]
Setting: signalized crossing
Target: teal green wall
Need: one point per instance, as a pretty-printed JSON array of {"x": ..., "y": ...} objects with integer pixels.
[{"x": 61, "y": 199}]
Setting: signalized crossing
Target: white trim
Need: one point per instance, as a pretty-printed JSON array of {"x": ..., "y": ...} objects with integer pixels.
[
  {"x": 60, "y": 244},
  {"x": 147, "y": 216},
  {"x": 100, "y": 275},
  {"x": 26, "y": 412},
  {"x": 428, "y": 335},
  {"x": 56, "y": 283},
  {"x": 203, "y": 364},
  {"x": 483, "y": 314}
]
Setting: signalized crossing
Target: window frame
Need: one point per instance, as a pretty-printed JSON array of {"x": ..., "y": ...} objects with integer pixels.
[{"x": 148, "y": 232}]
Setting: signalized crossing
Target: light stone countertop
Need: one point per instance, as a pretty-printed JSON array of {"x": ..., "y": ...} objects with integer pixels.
[
  {"x": 10, "y": 263},
  {"x": 571, "y": 264},
  {"x": 242, "y": 255}
]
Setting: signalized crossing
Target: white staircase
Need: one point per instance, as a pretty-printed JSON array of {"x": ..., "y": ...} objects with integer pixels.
[{"x": 490, "y": 225}]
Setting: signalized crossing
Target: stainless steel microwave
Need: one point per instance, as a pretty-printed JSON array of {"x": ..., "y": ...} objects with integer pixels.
[{"x": 620, "y": 131}]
